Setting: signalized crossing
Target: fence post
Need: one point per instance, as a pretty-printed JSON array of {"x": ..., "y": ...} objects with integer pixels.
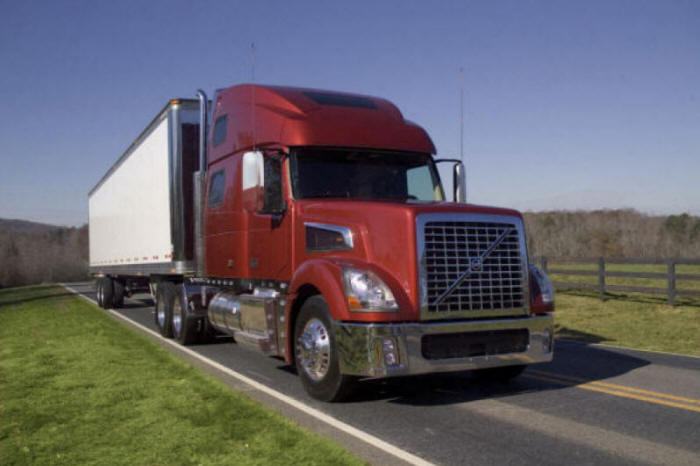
[
  {"x": 671, "y": 283},
  {"x": 544, "y": 264},
  {"x": 601, "y": 278}
]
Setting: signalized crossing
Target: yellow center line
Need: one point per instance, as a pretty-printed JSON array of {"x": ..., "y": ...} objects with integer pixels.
[
  {"x": 614, "y": 386},
  {"x": 593, "y": 386}
]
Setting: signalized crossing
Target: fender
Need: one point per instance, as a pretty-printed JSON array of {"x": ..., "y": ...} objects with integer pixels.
[{"x": 325, "y": 274}]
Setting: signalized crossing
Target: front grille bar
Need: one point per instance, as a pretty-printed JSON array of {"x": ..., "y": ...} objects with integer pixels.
[
  {"x": 474, "y": 265},
  {"x": 471, "y": 265}
]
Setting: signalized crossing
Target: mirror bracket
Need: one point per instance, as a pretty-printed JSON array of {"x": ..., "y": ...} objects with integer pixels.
[{"x": 459, "y": 179}]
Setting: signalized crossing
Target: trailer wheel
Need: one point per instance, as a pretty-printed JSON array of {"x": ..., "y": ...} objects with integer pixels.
[
  {"x": 499, "y": 374},
  {"x": 99, "y": 297},
  {"x": 119, "y": 291},
  {"x": 165, "y": 296},
  {"x": 184, "y": 325},
  {"x": 107, "y": 293},
  {"x": 316, "y": 353}
]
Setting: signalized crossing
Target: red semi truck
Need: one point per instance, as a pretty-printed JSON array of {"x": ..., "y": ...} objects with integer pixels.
[{"x": 313, "y": 225}]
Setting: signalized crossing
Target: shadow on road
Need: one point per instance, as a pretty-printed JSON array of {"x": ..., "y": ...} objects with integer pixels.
[
  {"x": 565, "y": 332},
  {"x": 573, "y": 365},
  {"x": 138, "y": 303}
]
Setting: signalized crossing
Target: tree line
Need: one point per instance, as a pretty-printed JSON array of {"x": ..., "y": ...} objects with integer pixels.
[
  {"x": 34, "y": 253},
  {"x": 42, "y": 255},
  {"x": 612, "y": 233}
]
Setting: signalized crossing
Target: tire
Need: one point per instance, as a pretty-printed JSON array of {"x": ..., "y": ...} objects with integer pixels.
[
  {"x": 165, "y": 296},
  {"x": 119, "y": 291},
  {"x": 99, "y": 292},
  {"x": 316, "y": 355},
  {"x": 107, "y": 293},
  {"x": 184, "y": 325},
  {"x": 499, "y": 374}
]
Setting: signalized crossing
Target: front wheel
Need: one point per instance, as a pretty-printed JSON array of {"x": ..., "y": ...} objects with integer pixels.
[{"x": 316, "y": 353}]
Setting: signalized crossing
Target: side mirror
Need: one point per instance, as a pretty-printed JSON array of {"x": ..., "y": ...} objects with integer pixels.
[
  {"x": 459, "y": 180},
  {"x": 253, "y": 181},
  {"x": 459, "y": 183}
]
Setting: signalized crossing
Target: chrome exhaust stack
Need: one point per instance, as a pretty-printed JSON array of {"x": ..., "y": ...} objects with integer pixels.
[
  {"x": 200, "y": 182},
  {"x": 203, "y": 102}
]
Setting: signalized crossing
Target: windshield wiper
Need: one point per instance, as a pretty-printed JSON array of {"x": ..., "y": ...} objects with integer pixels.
[{"x": 327, "y": 195}]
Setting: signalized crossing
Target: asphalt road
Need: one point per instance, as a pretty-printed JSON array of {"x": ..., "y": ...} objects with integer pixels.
[{"x": 591, "y": 405}]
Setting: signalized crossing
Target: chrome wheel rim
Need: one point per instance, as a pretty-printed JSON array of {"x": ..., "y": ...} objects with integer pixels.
[
  {"x": 314, "y": 350},
  {"x": 160, "y": 312},
  {"x": 99, "y": 294},
  {"x": 177, "y": 317}
]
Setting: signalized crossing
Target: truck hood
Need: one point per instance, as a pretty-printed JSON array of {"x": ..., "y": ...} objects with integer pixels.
[{"x": 385, "y": 233}]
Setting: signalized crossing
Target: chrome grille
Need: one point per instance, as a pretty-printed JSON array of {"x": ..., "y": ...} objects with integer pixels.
[{"x": 497, "y": 283}]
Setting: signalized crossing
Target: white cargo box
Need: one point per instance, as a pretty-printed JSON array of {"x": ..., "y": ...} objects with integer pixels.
[{"x": 140, "y": 213}]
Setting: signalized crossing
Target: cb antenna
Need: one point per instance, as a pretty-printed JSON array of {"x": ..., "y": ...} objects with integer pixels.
[
  {"x": 461, "y": 114},
  {"x": 252, "y": 100}
]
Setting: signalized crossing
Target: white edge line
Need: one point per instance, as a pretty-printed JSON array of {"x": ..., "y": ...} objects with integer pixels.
[{"x": 348, "y": 429}]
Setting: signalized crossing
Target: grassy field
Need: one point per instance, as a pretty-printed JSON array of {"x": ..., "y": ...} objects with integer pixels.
[
  {"x": 635, "y": 321},
  {"x": 76, "y": 387}
]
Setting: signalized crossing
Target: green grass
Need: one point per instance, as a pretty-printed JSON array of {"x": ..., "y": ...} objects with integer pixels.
[
  {"x": 76, "y": 387},
  {"x": 635, "y": 320},
  {"x": 641, "y": 321}
]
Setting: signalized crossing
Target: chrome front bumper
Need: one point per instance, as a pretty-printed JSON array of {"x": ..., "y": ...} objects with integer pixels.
[{"x": 362, "y": 347}]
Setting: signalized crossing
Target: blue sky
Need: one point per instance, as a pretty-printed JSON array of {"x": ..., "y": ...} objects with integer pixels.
[{"x": 569, "y": 105}]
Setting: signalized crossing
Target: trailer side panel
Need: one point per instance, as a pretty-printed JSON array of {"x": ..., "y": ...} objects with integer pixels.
[{"x": 130, "y": 215}]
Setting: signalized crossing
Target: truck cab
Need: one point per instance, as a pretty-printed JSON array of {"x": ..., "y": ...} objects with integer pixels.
[{"x": 330, "y": 208}]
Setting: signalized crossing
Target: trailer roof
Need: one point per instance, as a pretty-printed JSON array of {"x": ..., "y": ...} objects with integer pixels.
[{"x": 144, "y": 134}]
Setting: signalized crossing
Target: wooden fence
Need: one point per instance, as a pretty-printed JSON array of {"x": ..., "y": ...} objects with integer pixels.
[{"x": 556, "y": 267}]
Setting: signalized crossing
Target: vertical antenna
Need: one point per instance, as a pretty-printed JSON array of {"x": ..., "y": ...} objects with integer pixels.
[
  {"x": 252, "y": 101},
  {"x": 461, "y": 114}
]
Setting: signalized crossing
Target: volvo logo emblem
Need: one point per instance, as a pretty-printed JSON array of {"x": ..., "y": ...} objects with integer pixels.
[{"x": 475, "y": 263}]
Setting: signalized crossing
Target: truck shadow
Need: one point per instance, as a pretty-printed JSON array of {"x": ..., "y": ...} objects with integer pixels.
[
  {"x": 573, "y": 364},
  {"x": 642, "y": 298},
  {"x": 138, "y": 302},
  {"x": 566, "y": 332}
]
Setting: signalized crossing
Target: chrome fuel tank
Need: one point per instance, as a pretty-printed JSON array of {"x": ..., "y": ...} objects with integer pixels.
[{"x": 256, "y": 319}]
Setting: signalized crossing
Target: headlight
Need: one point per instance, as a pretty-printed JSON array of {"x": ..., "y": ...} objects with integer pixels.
[{"x": 365, "y": 291}]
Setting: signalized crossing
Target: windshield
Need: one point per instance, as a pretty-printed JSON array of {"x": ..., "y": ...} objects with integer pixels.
[{"x": 364, "y": 174}]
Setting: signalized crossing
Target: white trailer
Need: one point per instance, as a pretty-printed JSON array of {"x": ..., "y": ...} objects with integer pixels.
[{"x": 155, "y": 174}]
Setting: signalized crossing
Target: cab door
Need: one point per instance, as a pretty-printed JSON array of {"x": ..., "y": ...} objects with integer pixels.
[{"x": 269, "y": 230}]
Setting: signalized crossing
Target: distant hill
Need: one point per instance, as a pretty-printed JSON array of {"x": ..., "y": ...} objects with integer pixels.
[
  {"x": 32, "y": 252},
  {"x": 25, "y": 226}
]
